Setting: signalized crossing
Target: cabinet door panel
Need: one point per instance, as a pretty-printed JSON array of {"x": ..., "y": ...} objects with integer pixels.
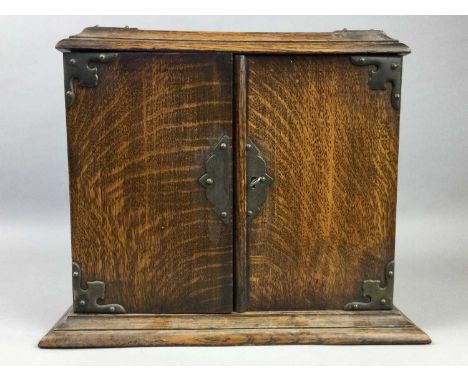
[
  {"x": 138, "y": 143},
  {"x": 331, "y": 145}
]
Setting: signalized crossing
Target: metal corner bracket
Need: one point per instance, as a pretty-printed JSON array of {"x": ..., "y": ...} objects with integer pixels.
[
  {"x": 87, "y": 300},
  {"x": 386, "y": 69},
  {"x": 379, "y": 297},
  {"x": 76, "y": 65}
]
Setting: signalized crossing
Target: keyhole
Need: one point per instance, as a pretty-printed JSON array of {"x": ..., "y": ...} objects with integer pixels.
[{"x": 253, "y": 182}]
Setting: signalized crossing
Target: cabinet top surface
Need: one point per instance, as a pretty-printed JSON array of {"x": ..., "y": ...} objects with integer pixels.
[{"x": 132, "y": 39}]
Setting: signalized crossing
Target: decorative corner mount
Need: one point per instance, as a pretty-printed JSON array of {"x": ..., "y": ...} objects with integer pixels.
[
  {"x": 386, "y": 69},
  {"x": 87, "y": 300},
  {"x": 76, "y": 66},
  {"x": 216, "y": 180},
  {"x": 380, "y": 297}
]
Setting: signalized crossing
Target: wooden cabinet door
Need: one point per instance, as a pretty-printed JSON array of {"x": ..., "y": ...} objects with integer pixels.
[
  {"x": 330, "y": 143},
  {"x": 138, "y": 143}
]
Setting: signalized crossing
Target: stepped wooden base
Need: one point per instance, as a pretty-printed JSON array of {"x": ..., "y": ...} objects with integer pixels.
[{"x": 253, "y": 328}]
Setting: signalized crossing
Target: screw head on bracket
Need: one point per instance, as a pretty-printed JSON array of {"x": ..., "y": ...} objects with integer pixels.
[
  {"x": 223, "y": 146},
  {"x": 209, "y": 181}
]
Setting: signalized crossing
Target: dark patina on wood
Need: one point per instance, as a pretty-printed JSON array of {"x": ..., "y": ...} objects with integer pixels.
[{"x": 132, "y": 39}]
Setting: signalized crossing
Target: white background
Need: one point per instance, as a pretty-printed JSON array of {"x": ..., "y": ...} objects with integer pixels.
[{"x": 432, "y": 221}]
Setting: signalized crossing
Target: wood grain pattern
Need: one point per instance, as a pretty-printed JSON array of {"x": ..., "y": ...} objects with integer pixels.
[
  {"x": 364, "y": 42},
  {"x": 141, "y": 34},
  {"x": 240, "y": 197},
  {"x": 318, "y": 319},
  {"x": 137, "y": 145},
  {"x": 141, "y": 223},
  {"x": 332, "y": 146},
  {"x": 262, "y": 328}
]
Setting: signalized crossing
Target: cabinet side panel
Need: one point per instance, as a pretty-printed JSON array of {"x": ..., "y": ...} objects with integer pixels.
[
  {"x": 138, "y": 143},
  {"x": 331, "y": 145}
]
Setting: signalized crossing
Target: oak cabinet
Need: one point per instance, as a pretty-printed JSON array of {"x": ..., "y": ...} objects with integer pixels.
[{"x": 232, "y": 188}]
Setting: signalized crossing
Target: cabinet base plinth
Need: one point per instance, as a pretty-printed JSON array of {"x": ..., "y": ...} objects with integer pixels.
[{"x": 253, "y": 328}]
